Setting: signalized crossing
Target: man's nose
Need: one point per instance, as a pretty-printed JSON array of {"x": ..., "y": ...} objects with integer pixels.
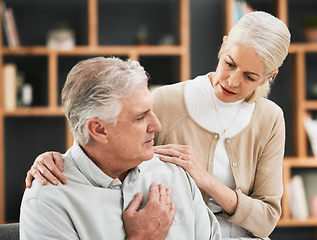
[{"x": 154, "y": 125}]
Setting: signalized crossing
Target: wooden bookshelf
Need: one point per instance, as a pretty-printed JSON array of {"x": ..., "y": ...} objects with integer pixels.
[
  {"x": 93, "y": 48},
  {"x": 301, "y": 106}
]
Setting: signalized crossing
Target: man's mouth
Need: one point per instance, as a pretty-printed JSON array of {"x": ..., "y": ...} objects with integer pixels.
[{"x": 149, "y": 141}]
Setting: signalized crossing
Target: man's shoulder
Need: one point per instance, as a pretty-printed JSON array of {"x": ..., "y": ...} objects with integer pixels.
[
  {"x": 157, "y": 163},
  {"x": 158, "y": 170},
  {"x": 50, "y": 192},
  {"x": 47, "y": 193}
]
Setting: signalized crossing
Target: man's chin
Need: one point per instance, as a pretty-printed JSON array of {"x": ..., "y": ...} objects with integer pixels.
[{"x": 149, "y": 156}]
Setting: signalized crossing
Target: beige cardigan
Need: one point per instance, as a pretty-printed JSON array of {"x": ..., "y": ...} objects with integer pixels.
[{"x": 255, "y": 155}]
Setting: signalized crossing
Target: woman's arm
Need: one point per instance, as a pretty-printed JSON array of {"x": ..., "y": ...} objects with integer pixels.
[
  {"x": 47, "y": 166},
  {"x": 185, "y": 157},
  {"x": 258, "y": 174}
]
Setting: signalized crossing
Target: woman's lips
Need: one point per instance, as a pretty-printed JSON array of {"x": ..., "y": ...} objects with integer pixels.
[{"x": 227, "y": 92}]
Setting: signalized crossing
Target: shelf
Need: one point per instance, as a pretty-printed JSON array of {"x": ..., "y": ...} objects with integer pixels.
[
  {"x": 303, "y": 47},
  {"x": 34, "y": 111},
  {"x": 309, "y": 222},
  {"x": 300, "y": 162},
  {"x": 310, "y": 104},
  {"x": 158, "y": 50}
]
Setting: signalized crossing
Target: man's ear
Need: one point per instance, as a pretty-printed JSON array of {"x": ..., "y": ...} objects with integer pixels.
[{"x": 97, "y": 129}]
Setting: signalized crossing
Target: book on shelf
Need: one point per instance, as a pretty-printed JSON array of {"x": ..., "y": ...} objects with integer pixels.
[
  {"x": 297, "y": 197},
  {"x": 10, "y": 27},
  {"x": 311, "y": 129},
  {"x": 240, "y": 8},
  {"x": 10, "y": 86},
  {"x": 16, "y": 92},
  {"x": 19, "y": 89},
  {"x": 309, "y": 179}
]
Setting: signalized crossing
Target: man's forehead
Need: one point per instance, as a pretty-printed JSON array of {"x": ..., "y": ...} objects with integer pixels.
[{"x": 139, "y": 102}]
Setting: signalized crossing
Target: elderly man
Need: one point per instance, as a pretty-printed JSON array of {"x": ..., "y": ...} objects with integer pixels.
[{"x": 112, "y": 190}]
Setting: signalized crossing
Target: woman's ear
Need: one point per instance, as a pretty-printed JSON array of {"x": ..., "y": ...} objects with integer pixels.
[
  {"x": 272, "y": 76},
  {"x": 224, "y": 40},
  {"x": 97, "y": 129}
]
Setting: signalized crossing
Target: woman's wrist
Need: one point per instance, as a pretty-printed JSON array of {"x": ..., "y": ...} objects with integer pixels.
[{"x": 207, "y": 182}]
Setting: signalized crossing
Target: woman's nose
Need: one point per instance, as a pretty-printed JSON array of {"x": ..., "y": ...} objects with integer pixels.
[{"x": 234, "y": 79}]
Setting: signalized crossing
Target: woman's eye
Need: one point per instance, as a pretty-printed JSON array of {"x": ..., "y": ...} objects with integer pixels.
[
  {"x": 250, "y": 78},
  {"x": 229, "y": 64}
]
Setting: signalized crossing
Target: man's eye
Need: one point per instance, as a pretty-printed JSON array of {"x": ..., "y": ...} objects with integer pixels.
[{"x": 140, "y": 118}]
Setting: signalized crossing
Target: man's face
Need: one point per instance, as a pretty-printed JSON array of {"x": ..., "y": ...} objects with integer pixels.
[{"x": 131, "y": 139}]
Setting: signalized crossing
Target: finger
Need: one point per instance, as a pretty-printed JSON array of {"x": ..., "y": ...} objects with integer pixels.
[
  {"x": 40, "y": 172},
  {"x": 173, "y": 208},
  {"x": 163, "y": 194},
  {"x": 35, "y": 173},
  {"x": 169, "y": 152},
  {"x": 46, "y": 165},
  {"x": 176, "y": 147},
  {"x": 179, "y": 148},
  {"x": 135, "y": 204},
  {"x": 168, "y": 195},
  {"x": 58, "y": 158},
  {"x": 172, "y": 211},
  {"x": 45, "y": 160},
  {"x": 29, "y": 178},
  {"x": 154, "y": 194},
  {"x": 175, "y": 160},
  {"x": 58, "y": 174}
]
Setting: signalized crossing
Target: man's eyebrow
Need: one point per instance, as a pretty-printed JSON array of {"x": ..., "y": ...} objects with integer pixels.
[
  {"x": 253, "y": 73},
  {"x": 143, "y": 113}
]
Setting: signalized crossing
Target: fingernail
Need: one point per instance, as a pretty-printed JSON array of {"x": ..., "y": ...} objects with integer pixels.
[
  {"x": 42, "y": 181},
  {"x": 55, "y": 182}
]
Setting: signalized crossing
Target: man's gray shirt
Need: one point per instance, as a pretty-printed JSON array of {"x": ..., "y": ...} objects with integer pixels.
[{"x": 91, "y": 204}]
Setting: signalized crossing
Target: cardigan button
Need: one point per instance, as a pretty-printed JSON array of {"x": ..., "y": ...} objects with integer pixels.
[
  {"x": 216, "y": 136},
  {"x": 234, "y": 164},
  {"x": 228, "y": 141},
  {"x": 114, "y": 181}
]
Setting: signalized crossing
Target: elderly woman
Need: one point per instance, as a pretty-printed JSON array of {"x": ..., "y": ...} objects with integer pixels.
[{"x": 224, "y": 132}]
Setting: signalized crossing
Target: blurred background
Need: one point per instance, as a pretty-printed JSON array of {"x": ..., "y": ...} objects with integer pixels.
[{"x": 43, "y": 26}]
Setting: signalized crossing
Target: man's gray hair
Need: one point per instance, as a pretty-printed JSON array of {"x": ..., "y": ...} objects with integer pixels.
[
  {"x": 95, "y": 87},
  {"x": 268, "y": 36}
]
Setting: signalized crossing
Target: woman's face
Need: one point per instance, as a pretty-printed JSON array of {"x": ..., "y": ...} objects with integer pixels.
[{"x": 239, "y": 72}]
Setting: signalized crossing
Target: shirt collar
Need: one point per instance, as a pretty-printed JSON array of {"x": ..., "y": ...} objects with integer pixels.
[{"x": 94, "y": 174}]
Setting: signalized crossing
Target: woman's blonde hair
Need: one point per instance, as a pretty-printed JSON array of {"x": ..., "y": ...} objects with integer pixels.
[{"x": 268, "y": 36}]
